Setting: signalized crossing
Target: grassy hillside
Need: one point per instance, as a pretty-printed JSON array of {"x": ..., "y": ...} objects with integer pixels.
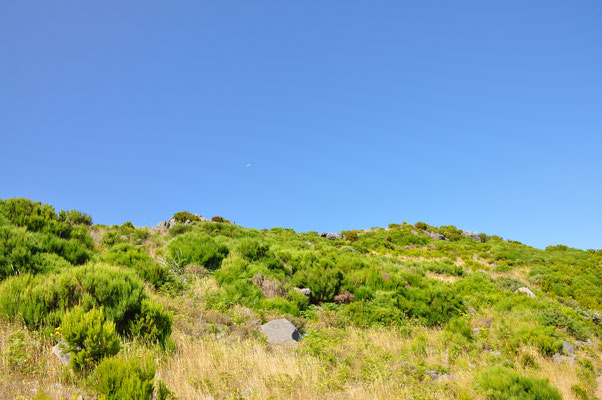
[{"x": 406, "y": 311}]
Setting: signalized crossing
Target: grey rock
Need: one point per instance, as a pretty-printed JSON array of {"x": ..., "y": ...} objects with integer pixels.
[
  {"x": 581, "y": 343},
  {"x": 413, "y": 232},
  {"x": 568, "y": 348},
  {"x": 167, "y": 224},
  {"x": 472, "y": 235},
  {"x": 496, "y": 353},
  {"x": 331, "y": 236},
  {"x": 433, "y": 374},
  {"x": 435, "y": 235},
  {"x": 476, "y": 331},
  {"x": 305, "y": 291},
  {"x": 447, "y": 377},
  {"x": 280, "y": 331},
  {"x": 559, "y": 359},
  {"x": 61, "y": 351},
  {"x": 526, "y": 291}
]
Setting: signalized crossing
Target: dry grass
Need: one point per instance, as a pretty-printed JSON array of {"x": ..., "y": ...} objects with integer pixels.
[{"x": 28, "y": 366}]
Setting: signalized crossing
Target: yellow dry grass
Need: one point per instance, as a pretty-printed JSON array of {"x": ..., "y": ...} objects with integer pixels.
[{"x": 28, "y": 366}]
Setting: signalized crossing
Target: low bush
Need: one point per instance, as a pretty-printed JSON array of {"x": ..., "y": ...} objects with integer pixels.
[
  {"x": 194, "y": 247},
  {"x": 42, "y": 300},
  {"x": 121, "y": 378},
  {"x": 153, "y": 323},
  {"x": 184, "y": 216},
  {"x": 90, "y": 336},
  {"x": 127, "y": 255},
  {"x": 499, "y": 383}
]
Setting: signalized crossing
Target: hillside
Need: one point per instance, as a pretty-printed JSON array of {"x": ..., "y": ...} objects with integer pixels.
[{"x": 398, "y": 312}]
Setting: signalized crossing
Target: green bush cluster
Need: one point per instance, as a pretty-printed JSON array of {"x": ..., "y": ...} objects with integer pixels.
[
  {"x": 499, "y": 383},
  {"x": 195, "y": 248},
  {"x": 127, "y": 378},
  {"x": 126, "y": 255},
  {"x": 184, "y": 216},
  {"x": 90, "y": 336},
  {"x": 41, "y": 301}
]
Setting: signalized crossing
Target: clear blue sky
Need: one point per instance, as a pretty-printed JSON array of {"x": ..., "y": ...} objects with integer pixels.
[{"x": 481, "y": 114}]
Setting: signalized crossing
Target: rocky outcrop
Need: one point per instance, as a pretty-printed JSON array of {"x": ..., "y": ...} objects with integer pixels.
[
  {"x": 167, "y": 224},
  {"x": 525, "y": 290},
  {"x": 568, "y": 348},
  {"x": 472, "y": 235},
  {"x": 559, "y": 359},
  {"x": 280, "y": 331},
  {"x": 435, "y": 235},
  {"x": 305, "y": 291},
  {"x": 332, "y": 236},
  {"x": 61, "y": 351}
]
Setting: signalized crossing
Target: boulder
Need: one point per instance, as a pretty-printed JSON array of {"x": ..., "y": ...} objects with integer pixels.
[
  {"x": 435, "y": 235},
  {"x": 568, "y": 348},
  {"x": 581, "y": 343},
  {"x": 305, "y": 291},
  {"x": 440, "y": 378},
  {"x": 61, "y": 351},
  {"x": 280, "y": 331},
  {"x": 559, "y": 359},
  {"x": 331, "y": 236},
  {"x": 472, "y": 235},
  {"x": 167, "y": 224},
  {"x": 526, "y": 291}
]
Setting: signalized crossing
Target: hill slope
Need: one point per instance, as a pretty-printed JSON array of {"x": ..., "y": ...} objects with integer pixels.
[{"x": 407, "y": 311}]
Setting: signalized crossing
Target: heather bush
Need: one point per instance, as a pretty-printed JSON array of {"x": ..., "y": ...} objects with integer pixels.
[
  {"x": 42, "y": 300},
  {"x": 127, "y": 255},
  {"x": 120, "y": 378},
  {"x": 75, "y": 217},
  {"x": 90, "y": 336},
  {"x": 499, "y": 383},
  {"x": 194, "y": 247},
  {"x": 184, "y": 216},
  {"x": 153, "y": 323}
]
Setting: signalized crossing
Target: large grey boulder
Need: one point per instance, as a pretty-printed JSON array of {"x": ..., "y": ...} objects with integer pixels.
[
  {"x": 61, "y": 351},
  {"x": 167, "y": 224},
  {"x": 472, "y": 235},
  {"x": 305, "y": 291},
  {"x": 331, "y": 236},
  {"x": 559, "y": 359},
  {"x": 435, "y": 235},
  {"x": 526, "y": 291},
  {"x": 568, "y": 348},
  {"x": 280, "y": 331}
]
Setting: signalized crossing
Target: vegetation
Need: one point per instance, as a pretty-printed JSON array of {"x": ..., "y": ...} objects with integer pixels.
[{"x": 388, "y": 310}]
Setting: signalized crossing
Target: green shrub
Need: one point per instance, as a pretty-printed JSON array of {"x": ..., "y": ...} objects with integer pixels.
[
  {"x": 90, "y": 337},
  {"x": 119, "y": 378},
  {"x": 197, "y": 248},
  {"x": 43, "y": 299},
  {"x": 252, "y": 250},
  {"x": 421, "y": 226},
  {"x": 153, "y": 323},
  {"x": 499, "y": 383},
  {"x": 127, "y": 255},
  {"x": 184, "y": 216},
  {"x": 180, "y": 229},
  {"x": 75, "y": 217}
]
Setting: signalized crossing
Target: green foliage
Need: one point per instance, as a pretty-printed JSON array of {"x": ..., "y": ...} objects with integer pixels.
[
  {"x": 75, "y": 217},
  {"x": 197, "y": 248},
  {"x": 499, "y": 383},
  {"x": 184, "y": 216},
  {"x": 42, "y": 300},
  {"x": 153, "y": 323},
  {"x": 90, "y": 337},
  {"x": 252, "y": 250},
  {"x": 127, "y": 255},
  {"x": 120, "y": 378}
]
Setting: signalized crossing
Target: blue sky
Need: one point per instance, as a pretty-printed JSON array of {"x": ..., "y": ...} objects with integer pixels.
[{"x": 484, "y": 115}]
